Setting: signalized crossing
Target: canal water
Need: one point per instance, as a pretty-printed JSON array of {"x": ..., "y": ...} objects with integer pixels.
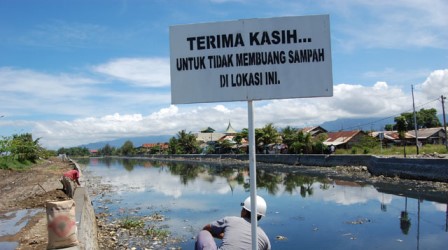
[{"x": 304, "y": 212}]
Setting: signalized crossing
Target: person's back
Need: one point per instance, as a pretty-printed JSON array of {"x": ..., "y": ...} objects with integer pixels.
[
  {"x": 238, "y": 234},
  {"x": 72, "y": 175},
  {"x": 235, "y": 232}
]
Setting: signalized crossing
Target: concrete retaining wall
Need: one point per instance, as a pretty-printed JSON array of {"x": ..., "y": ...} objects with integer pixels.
[
  {"x": 420, "y": 169},
  {"x": 406, "y": 168},
  {"x": 85, "y": 218}
]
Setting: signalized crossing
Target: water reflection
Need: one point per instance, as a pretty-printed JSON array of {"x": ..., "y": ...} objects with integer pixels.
[
  {"x": 310, "y": 211},
  {"x": 405, "y": 221},
  {"x": 11, "y": 223}
]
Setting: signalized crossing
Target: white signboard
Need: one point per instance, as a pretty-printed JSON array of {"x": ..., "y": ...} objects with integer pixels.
[{"x": 253, "y": 59}]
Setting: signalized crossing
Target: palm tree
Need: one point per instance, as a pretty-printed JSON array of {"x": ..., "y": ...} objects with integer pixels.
[
  {"x": 225, "y": 146},
  {"x": 187, "y": 142},
  {"x": 288, "y": 135},
  {"x": 173, "y": 146},
  {"x": 267, "y": 135},
  {"x": 238, "y": 140}
]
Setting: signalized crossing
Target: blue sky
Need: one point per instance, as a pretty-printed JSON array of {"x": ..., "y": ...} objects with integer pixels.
[{"x": 75, "y": 72}]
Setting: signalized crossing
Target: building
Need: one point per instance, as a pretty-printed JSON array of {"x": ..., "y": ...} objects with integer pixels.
[
  {"x": 344, "y": 139},
  {"x": 425, "y": 136},
  {"x": 313, "y": 131},
  {"x": 429, "y": 135},
  {"x": 154, "y": 148}
]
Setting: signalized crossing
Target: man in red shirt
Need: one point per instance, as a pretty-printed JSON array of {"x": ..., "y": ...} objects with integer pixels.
[
  {"x": 73, "y": 175},
  {"x": 67, "y": 187}
]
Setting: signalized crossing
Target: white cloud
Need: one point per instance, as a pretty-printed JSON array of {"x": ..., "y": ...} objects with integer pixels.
[
  {"x": 165, "y": 184},
  {"x": 355, "y": 101},
  {"x": 358, "y": 100},
  {"x": 41, "y": 84},
  {"x": 28, "y": 92},
  {"x": 346, "y": 195},
  {"x": 436, "y": 84},
  {"x": 440, "y": 207},
  {"x": 105, "y": 111},
  {"x": 145, "y": 72}
]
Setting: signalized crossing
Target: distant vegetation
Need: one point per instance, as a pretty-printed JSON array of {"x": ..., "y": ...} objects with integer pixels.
[
  {"x": 20, "y": 151},
  {"x": 297, "y": 142},
  {"x": 395, "y": 150}
]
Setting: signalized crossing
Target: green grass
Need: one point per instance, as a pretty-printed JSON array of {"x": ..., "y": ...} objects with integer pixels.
[
  {"x": 157, "y": 233},
  {"x": 136, "y": 223},
  {"x": 7, "y": 163},
  {"x": 396, "y": 150},
  {"x": 53, "y": 167},
  {"x": 130, "y": 223}
]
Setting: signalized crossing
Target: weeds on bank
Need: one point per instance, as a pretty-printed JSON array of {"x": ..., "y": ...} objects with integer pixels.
[
  {"x": 157, "y": 233},
  {"x": 130, "y": 223},
  {"x": 396, "y": 150},
  {"x": 6, "y": 163},
  {"x": 53, "y": 167},
  {"x": 138, "y": 224}
]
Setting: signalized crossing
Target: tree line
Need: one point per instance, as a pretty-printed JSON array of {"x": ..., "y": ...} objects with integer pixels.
[
  {"x": 295, "y": 140},
  {"x": 21, "y": 149}
]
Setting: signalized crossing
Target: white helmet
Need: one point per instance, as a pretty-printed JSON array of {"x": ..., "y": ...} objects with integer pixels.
[{"x": 261, "y": 205}]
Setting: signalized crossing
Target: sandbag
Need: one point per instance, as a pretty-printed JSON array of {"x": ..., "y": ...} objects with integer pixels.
[{"x": 61, "y": 221}]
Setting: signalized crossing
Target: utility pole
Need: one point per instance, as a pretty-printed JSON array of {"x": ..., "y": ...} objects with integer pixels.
[
  {"x": 444, "y": 120},
  {"x": 415, "y": 119}
]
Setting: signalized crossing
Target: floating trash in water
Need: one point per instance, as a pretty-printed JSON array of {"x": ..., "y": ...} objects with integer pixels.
[
  {"x": 280, "y": 237},
  {"x": 358, "y": 221},
  {"x": 352, "y": 237}
]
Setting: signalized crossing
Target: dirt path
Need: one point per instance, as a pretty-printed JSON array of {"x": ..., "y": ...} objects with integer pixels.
[{"x": 30, "y": 189}]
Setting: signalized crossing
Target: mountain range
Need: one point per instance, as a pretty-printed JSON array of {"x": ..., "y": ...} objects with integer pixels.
[{"x": 137, "y": 141}]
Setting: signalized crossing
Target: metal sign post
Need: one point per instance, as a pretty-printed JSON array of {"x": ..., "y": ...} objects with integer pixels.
[
  {"x": 251, "y": 59},
  {"x": 253, "y": 175}
]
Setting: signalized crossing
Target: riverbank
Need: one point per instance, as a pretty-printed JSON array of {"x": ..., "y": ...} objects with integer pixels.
[
  {"x": 116, "y": 237},
  {"x": 30, "y": 189},
  {"x": 130, "y": 231},
  {"x": 25, "y": 191}
]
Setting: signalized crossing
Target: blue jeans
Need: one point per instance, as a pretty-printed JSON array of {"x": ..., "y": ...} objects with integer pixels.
[{"x": 205, "y": 241}]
